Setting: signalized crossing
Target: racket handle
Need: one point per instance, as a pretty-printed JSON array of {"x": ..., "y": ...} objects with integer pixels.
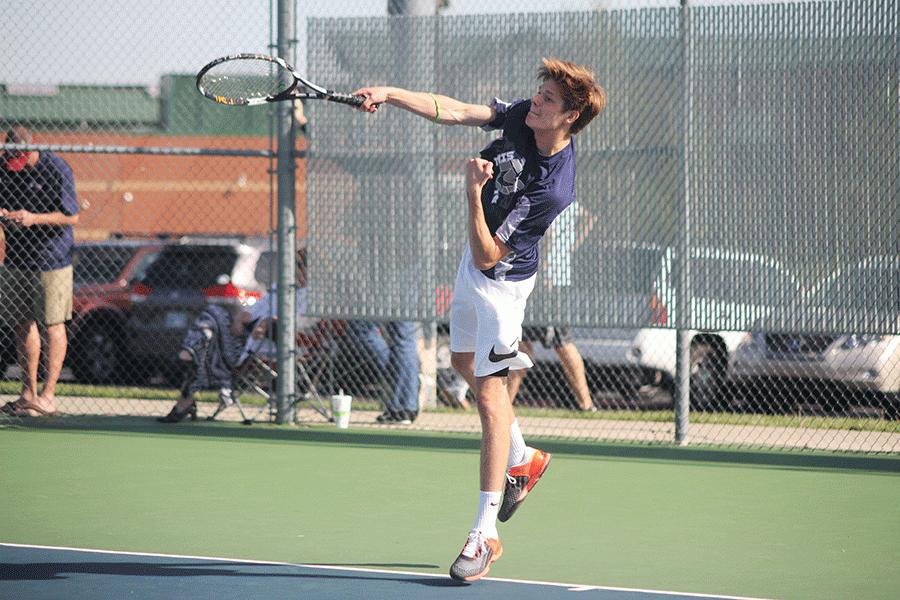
[{"x": 347, "y": 98}]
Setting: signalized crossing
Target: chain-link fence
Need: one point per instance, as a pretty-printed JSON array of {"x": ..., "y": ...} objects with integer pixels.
[{"x": 732, "y": 255}]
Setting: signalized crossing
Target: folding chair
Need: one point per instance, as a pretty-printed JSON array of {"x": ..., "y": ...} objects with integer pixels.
[
  {"x": 257, "y": 372},
  {"x": 250, "y": 374},
  {"x": 330, "y": 363},
  {"x": 248, "y": 377},
  {"x": 317, "y": 350}
]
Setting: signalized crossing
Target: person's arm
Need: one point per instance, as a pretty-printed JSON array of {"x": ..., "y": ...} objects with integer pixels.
[
  {"x": 263, "y": 328},
  {"x": 487, "y": 250},
  {"x": 434, "y": 107},
  {"x": 25, "y": 218},
  {"x": 239, "y": 326}
]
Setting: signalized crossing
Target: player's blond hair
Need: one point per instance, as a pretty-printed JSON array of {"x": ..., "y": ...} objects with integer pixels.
[{"x": 578, "y": 89}]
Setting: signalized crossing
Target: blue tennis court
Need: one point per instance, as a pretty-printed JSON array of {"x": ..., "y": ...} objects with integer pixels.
[{"x": 46, "y": 573}]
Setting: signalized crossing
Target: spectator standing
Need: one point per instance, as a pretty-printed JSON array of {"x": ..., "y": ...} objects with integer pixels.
[
  {"x": 392, "y": 346},
  {"x": 564, "y": 238},
  {"x": 38, "y": 209}
]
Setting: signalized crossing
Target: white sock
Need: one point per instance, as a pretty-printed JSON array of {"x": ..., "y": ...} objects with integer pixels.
[
  {"x": 517, "y": 447},
  {"x": 488, "y": 507}
]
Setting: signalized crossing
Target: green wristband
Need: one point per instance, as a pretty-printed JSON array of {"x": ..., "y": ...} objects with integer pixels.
[{"x": 437, "y": 108}]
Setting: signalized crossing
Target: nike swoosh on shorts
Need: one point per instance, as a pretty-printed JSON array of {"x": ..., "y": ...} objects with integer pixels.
[{"x": 495, "y": 358}]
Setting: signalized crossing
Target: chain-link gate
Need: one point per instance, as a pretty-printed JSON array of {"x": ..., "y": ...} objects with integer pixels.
[{"x": 732, "y": 254}]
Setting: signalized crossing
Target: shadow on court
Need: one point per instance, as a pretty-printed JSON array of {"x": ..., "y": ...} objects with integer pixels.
[
  {"x": 43, "y": 573},
  {"x": 376, "y": 437}
]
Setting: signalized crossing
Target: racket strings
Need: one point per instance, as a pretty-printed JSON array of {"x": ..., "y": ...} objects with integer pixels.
[{"x": 246, "y": 79}]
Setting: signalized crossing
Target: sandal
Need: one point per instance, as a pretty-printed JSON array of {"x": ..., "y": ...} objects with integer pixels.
[
  {"x": 24, "y": 408},
  {"x": 11, "y": 408}
]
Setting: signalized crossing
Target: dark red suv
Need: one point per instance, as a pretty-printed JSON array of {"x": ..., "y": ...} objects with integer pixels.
[{"x": 104, "y": 273}]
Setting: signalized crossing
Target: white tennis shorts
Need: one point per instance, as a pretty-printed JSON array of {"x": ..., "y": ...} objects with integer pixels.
[{"x": 486, "y": 318}]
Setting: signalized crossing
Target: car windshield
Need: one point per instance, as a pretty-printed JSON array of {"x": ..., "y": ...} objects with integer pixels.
[
  {"x": 97, "y": 264},
  {"x": 740, "y": 281},
  {"x": 191, "y": 267},
  {"x": 874, "y": 290},
  {"x": 624, "y": 270}
]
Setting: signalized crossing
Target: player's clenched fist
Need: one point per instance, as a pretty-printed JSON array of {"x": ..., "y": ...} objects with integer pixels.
[{"x": 478, "y": 171}]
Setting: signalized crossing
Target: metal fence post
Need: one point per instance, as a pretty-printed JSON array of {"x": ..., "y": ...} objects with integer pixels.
[
  {"x": 286, "y": 227},
  {"x": 682, "y": 399}
]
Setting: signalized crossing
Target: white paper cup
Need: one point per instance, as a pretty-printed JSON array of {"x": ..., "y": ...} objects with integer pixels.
[{"x": 340, "y": 408}]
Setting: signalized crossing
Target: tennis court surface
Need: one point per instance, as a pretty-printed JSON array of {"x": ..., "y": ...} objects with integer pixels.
[{"x": 223, "y": 511}]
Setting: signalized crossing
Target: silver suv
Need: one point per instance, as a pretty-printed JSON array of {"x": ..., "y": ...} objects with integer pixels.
[
  {"x": 231, "y": 272},
  {"x": 852, "y": 303}
]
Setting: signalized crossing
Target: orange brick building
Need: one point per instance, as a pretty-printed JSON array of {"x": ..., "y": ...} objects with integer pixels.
[{"x": 150, "y": 194}]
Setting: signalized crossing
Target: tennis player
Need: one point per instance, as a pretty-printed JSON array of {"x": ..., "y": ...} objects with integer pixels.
[{"x": 515, "y": 189}]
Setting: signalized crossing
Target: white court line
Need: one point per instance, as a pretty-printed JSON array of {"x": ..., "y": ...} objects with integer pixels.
[{"x": 572, "y": 587}]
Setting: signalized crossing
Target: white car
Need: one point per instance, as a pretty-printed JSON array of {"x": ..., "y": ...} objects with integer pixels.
[
  {"x": 729, "y": 292},
  {"x": 626, "y": 292},
  {"x": 599, "y": 347},
  {"x": 858, "y": 304}
]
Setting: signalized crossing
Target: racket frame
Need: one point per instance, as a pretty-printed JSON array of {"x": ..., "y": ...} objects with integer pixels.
[{"x": 316, "y": 92}]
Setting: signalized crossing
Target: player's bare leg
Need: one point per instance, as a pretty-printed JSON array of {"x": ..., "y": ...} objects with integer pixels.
[
  {"x": 496, "y": 415},
  {"x": 495, "y": 410}
]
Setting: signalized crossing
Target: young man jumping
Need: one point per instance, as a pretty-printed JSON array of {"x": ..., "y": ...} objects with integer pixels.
[{"x": 515, "y": 189}]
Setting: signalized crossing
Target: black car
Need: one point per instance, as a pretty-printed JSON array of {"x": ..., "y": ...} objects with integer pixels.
[{"x": 186, "y": 277}]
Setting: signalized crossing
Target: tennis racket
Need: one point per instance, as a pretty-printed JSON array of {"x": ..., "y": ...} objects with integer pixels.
[{"x": 252, "y": 79}]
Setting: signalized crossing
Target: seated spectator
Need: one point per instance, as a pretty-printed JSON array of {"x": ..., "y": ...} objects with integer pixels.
[{"x": 215, "y": 345}]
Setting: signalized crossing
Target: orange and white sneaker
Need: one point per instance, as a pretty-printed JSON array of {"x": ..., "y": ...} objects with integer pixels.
[
  {"x": 476, "y": 557},
  {"x": 520, "y": 480}
]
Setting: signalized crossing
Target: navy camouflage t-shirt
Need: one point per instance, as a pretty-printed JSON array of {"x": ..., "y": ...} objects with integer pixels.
[
  {"x": 47, "y": 187},
  {"x": 526, "y": 193}
]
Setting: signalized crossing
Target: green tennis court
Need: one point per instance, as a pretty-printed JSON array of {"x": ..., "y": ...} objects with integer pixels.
[{"x": 671, "y": 520}]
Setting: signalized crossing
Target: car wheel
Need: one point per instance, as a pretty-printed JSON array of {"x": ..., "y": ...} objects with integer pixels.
[
  {"x": 891, "y": 405},
  {"x": 708, "y": 371},
  {"x": 97, "y": 352}
]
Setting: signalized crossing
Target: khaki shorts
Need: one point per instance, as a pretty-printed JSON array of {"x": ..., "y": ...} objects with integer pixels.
[{"x": 44, "y": 297}]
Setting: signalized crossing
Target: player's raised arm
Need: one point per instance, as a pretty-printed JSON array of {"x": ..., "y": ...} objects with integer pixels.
[
  {"x": 434, "y": 107},
  {"x": 487, "y": 250}
]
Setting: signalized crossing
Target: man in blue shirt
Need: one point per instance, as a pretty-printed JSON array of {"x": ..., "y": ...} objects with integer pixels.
[
  {"x": 38, "y": 209},
  {"x": 515, "y": 190}
]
